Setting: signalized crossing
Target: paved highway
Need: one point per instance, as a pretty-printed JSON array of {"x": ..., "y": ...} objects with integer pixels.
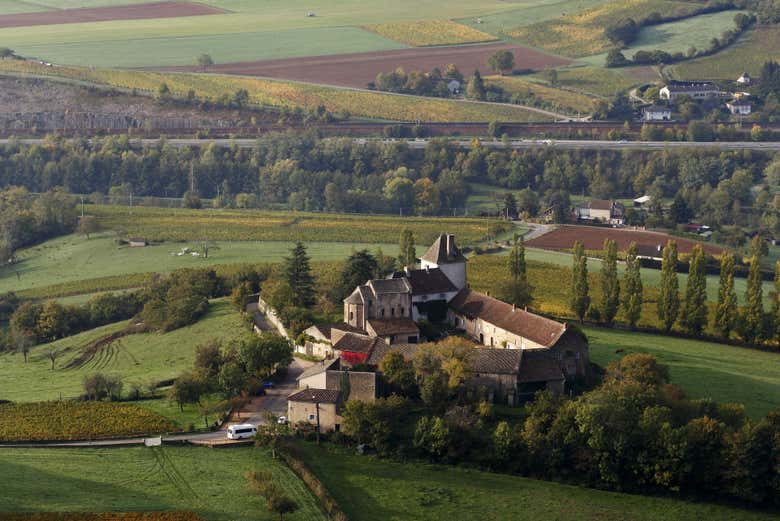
[{"x": 466, "y": 143}]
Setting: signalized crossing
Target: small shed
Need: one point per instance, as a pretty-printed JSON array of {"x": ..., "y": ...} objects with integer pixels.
[
  {"x": 137, "y": 242},
  {"x": 745, "y": 79}
]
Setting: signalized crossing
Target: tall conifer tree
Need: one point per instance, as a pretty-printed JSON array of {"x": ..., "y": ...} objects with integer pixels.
[
  {"x": 669, "y": 299},
  {"x": 407, "y": 253},
  {"x": 297, "y": 274},
  {"x": 632, "y": 287},
  {"x": 610, "y": 286},
  {"x": 695, "y": 312},
  {"x": 521, "y": 290},
  {"x": 580, "y": 299},
  {"x": 726, "y": 310},
  {"x": 753, "y": 317}
]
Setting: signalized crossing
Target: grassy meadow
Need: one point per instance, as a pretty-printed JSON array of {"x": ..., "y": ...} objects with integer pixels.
[
  {"x": 70, "y": 259},
  {"x": 208, "y": 481},
  {"x": 367, "y": 488},
  {"x": 430, "y": 32},
  {"x": 593, "y": 81},
  {"x": 582, "y": 33},
  {"x": 748, "y": 54},
  {"x": 720, "y": 372},
  {"x": 558, "y": 99},
  {"x": 676, "y": 36},
  {"x": 141, "y": 359}
]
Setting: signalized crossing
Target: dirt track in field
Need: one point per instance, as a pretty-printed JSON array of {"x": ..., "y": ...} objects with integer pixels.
[
  {"x": 101, "y": 14},
  {"x": 592, "y": 238},
  {"x": 357, "y": 69}
]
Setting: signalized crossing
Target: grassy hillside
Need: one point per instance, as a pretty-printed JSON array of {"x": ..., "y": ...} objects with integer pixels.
[
  {"x": 582, "y": 33},
  {"x": 748, "y": 54},
  {"x": 277, "y": 93},
  {"x": 677, "y": 36},
  {"x": 74, "y": 258},
  {"x": 558, "y": 99},
  {"x": 210, "y": 482},
  {"x": 703, "y": 369},
  {"x": 141, "y": 359},
  {"x": 367, "y": 489}
]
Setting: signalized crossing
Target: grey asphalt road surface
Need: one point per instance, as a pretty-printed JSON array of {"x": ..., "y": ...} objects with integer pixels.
[{"x": 465, "y": 143}]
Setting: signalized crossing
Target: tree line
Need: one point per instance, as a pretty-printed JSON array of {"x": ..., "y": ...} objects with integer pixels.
[
  {"x": 302, "y": 172},
  {"x": 688, "y": 309}
]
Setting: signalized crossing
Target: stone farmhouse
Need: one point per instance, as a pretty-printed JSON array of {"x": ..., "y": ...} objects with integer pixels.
[
  {"x": 695, "y": 90},
  {"x": 602, "y": 210},
  {"x": 523, "y": 352}
]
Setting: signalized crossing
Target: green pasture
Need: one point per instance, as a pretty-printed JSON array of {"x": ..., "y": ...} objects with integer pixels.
[
  {"x": 532, "y": 12},
  {"x": 597, "y": 80},
  {"x": 676, "y": 36},
  {"x": 228, "y": 47},
  {"x": 248, "y": 30},
  {"x": 368, "y": 489},
  {"x": 207, "y": 481},
  {"x": 747, "y": 54},
  {"x": 73, "y": 258},
  {"x": 143, "y": 358},
  {"x": 721, "y": 372}
]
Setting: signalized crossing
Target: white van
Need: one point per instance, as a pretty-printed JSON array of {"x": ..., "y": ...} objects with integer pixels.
[{"x": 239, "y": 432}]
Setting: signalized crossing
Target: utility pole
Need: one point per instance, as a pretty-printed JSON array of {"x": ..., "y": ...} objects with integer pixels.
[
  {"x": 82, "y": 206},
  {"x": 317, "y": 405}
]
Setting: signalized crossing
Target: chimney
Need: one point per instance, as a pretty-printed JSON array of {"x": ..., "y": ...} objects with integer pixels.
[
  {"x": 427, "y": 269},
  {"x": 406, "y": 270},
  {"x": 514, "y": 308},
  {"x": 525, "y": 309}
]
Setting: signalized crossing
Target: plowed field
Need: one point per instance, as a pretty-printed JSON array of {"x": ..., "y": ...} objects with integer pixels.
[
  {"x": 357, "y": 69},
  {"x": 592, "y": 238},
  {"x": 102, "y": 14}
]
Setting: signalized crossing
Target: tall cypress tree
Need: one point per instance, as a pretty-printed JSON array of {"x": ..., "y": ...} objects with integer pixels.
[
  {"x": 610, "y": 286},
  {"x": 521, "y": 290},
  {"x": 669, "y": 299},
  {"x": 752, "y": 320},
  {"x": 726, "y": 310},
  {"x": 297, "y": 274},
  {"x": 632, "y": 287},
  {"x": 580, "y": 299},
  {"x": 776, "y": 304},
  {"x": 407, "y": 253},
  {"x": 695, "y": 312}
]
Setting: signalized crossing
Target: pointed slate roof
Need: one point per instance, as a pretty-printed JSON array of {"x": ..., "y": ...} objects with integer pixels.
[{"x": 444, "y": 251}]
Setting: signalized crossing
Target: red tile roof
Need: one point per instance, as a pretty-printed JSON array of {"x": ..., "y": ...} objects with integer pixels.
[{"x": 535, "y": 328}]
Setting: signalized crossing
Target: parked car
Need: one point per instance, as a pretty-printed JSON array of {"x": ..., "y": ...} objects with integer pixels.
[{"x": 282, "y": 420}]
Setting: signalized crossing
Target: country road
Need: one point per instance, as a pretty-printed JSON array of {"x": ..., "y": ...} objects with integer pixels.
[{"x": 417, "y": 144}]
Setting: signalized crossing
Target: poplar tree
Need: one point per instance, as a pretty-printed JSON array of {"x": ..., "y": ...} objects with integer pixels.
[
  {"x": 754, "y": 305},
  {"x": 610, "y": 286},
  {"x": 580, "y": 300},
  {"x": 297, "y": 274},
  {"x": 695, "y": 312},
  {"x": 669, "y": 299},
  {"x": 776, "y": 304},
  {"x": 726, "y": 310},
  {"x": 521, "y": 290},
  {"x": 407, "y": 256},
  {"x": 632, "y": 287}
]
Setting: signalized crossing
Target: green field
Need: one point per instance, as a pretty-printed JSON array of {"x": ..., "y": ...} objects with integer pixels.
[
  {"x": 596, "y": 81},
  {"x": 721, "y": 372},
  {"x": 368, "y": 489},
  {"x": 748, "y": 54},
  {"x": 73, "y": 258},
  {"x": 142, "y": 359},
  {"x": 676, "y": 36},
  {"x": 550, "y": 97},
  {"x": 208, "y": 481},
  {"x": 582, "y": 33},
  {"x": 248, "y": 31}
]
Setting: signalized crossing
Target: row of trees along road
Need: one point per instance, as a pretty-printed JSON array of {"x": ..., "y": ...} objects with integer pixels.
[{"x": 752, "y": 323}]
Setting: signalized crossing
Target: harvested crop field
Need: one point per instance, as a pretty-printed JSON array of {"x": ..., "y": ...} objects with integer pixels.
[
  {"x": 357, "y": 69},
  {"x": 102, "y": 14},
  {"x": 563, "y": 238}
]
